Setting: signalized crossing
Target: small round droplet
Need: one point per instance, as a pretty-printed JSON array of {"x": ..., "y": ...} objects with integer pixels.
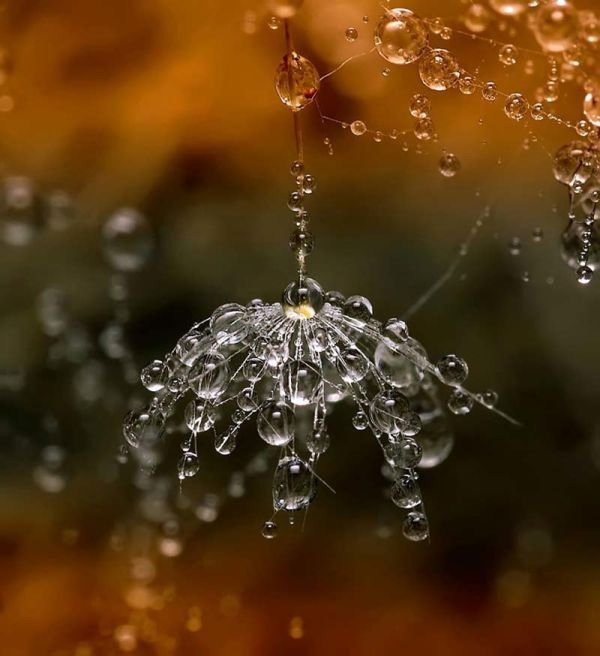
[
  {"x": 449, "y": 165},
  {"x": 452, "y": 370},
  {"x": 351, "y": 34},
  {"x": 358, "y": 128},
  {"x": 416, "y": 527},
  {"x": 516, "y": 107},
  {"x": 584, "y": 275}
]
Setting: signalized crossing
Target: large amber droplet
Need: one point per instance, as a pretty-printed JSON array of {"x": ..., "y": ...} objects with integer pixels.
[{"x": 297, "y": 81}]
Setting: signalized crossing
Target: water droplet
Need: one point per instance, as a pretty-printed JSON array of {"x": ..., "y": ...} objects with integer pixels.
[
  {"x": 351, "y": 34},
  {"x": 439, "y": 70},
  {"x": 401, "y": 36},
  {"x": 508, "y": 54},
  {"x": 297, "y": 81},
  {"x": 449, "y": 165},
  {"x": 516, "y": 107},
  {"x": 128, "y": 241},
  {"x": 358, "y": 128},
  {"x": 269, "y": 530}
]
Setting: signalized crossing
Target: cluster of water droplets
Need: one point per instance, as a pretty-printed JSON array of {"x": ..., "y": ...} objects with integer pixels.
[
  {"x": 283, "y": 367},
  {"x": 577, "y": 165}
]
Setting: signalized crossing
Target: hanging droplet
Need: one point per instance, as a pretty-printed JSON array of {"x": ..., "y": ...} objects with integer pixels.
[
  {"x": 226, "y": 442},
  {"x": 416, "y": 527},
  {"x": 297, "y": 81},
  {"x": 199, "y": 416},
  {"x": 401, "y": 37},
  {"x": 584, "y": 275},
  {"x": 352, "y": 365},
  {"x": 386, "y": 411},
  {"x": 405, "y": 492},
  {"x": 275, "y": 423},
  {"x": 269, "y": 530},
  {"x": 209, "y": 377},
  {"x": 294, "y": 486},
  {"x": 189, "y": 465}
]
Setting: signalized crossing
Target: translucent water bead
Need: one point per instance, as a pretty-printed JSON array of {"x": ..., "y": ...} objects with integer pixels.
[
  {"x": 555, "y": 25},
  {"x": 516, "y": 107},
  {"x": 439, "y": 70},
  {"x": 296, "y": 81},
  {"x": 127, "y": 240},
  {"x": 401, "y": 37},
  {"x": 284, "y": 367}
]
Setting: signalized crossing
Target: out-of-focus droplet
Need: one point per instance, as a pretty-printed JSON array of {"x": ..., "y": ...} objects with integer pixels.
[
  {"x": 591, "y": 106},
  {"x": 508, "y": 54},
  {"x": 555, "y": 25},
  {"x": 358, "y": 128},
  {"x": 449, "y": 165},
  {"x": 127, "y": 239}
]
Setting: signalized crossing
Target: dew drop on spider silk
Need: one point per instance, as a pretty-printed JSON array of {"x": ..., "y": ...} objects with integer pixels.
[{"x": 401, "y": 37}]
